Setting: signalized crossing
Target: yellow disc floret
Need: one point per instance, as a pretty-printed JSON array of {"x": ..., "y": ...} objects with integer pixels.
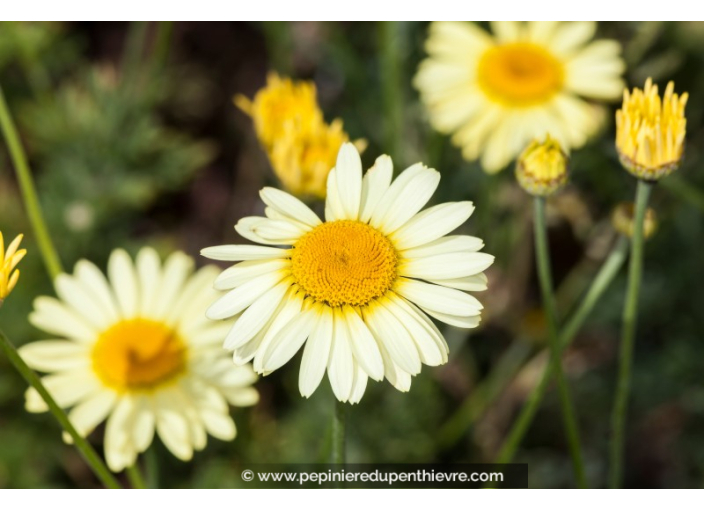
[
  {"x": 138, "y": 354},
  {"x": 650, "y": 131},
  {"x": 542, "y": 167},
  {"x": 519, "y": 74},
  {"x": 344, "y": 262}
]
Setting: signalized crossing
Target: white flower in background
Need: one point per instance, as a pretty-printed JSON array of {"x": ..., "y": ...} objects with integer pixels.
[
  {"x": 136, "y": 349},
  {"x": 496, "y": 93},
  {"x": 356, "y": 289}
]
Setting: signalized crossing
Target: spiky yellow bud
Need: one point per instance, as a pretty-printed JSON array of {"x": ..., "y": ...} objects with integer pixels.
[{"x": 542, "y": 167}]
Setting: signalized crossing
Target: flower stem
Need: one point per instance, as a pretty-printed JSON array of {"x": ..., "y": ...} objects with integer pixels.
[
  {"x": 601, "y": 282},
  {"x": 338, "y": 432},
  {"x": 89, "y": 454},
  {"x": 545, "y": 277},
  {"x": 135, "y": 477},
  {"x": 29, "y": 193},
  {"x": 391, "y": 60},
  {"x": 630, "y": 315}
]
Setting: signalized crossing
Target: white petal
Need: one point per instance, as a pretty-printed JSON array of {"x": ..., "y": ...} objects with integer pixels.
[
  {"x": 241, "y": 397},
  {"x": 431, "y": 224},
  {"x": 364, "y": 345},
  {"x": 456, "y": 320},
  {"x": 65, "y": 388},
  {"x": 506, "y": 31},
  {"x": 236, "y": 252},
  {"x": 349, "y": 180},
  {"x": 81, "y": 300},
  {"x": 123, "y": 280},
  {"x": 55, "y": 355},
  {"x": 171, "y": 425},
  {"x": 149, "y": 276},
  {"x": 92, "y": 278},
  {"x": 240, "y": 273},
  {"x": 255, "y": 317},
  {"x": 375, "y": 183},
  {"x": 316, "y": 353},
  {"x": 91, "y": 412},
  {"x": 240, "y": 298},
  {"x": 143, "y": 424},
  {"x": 437, "y": 298},
  {"x": 289, "y": 206},
  {"x": 333, "y": 204},
  {"x": 474, "y": 283},
  {"x": 444, "y": 245},
  {"x": 447, "y": 266},
  {"x": 393, "y": 336},
  {"x": 52, "y": 316},
  {"x": 399, "y": 379},
  {"x": 288, "y": 341},
  {"x": 341, "y": 362},
  {"x": 432, "y": 352},
  {"x": 219, "y": 425},
  {"x": 571, "y": 35},
  {"x": 289, "y": 309},
  {"x": 177, "y": 268},
  {"x": 119, "y": 452},
  {"x": 358, "y": 386},
  {"x": 405, "y": 197}
]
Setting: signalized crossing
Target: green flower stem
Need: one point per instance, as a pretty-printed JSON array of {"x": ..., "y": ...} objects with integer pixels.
[
  {"x": 545, "y": 278},
  {"x": 630, "y": 315},
  {"x": 89, "y": 454},
  {"x": 162, "y": 44},
  {"x": 338, "y": 432},
  {"x": 601, "y": 282},
  {"x": 391, "y": 41},
  {"x": 29, "y": 193},
  {"x": 135, "y": 477}
]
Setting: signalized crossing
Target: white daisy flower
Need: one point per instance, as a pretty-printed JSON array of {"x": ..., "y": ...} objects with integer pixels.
[
  {"x": 136, "y": 348},
  {"x": 356, "y": 289},
  {"x": 495, "y": 94}
]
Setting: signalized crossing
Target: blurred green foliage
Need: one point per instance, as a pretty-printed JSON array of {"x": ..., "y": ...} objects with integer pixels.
[{"x": 129, "y": 149}]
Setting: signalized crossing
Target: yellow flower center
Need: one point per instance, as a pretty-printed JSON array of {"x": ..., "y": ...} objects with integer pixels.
[
  {"x": 138, "y": 354},
  {"x": 519, "y": 74},
  {"x": 344, "y": 262}
]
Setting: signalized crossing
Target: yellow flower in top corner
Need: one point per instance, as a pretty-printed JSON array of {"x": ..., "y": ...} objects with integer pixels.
[
  {"x": 301, "y": 146},
  {"x": 650, "y": 131},
  {"x": 357, "y": 288},
  {"x": 281, "y": 104},
  {"x": 8, "y": 261},
  {"x": 136, "y": 349},
  {"x": 495, "y": 94}
]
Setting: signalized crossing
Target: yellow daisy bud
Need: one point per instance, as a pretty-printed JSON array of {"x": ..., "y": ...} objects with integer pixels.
[
  {"x": 650, "y": 131},
  {"x": 542, "y": 167},
  {"x": 622, "y": 220},
  {"x": 8, "y": 261}
]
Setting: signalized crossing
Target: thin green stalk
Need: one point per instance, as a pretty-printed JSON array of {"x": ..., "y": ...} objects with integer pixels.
[
  {"x": 628, "y": 335},
  {"x": 545, "y": 277},
  {"x": 134, "y": 475},
  {"x": 134, "y": 50},
  {"x": 29, "y": 192},
  {"x": 151, "y": 467},
  {"x": 162, "y": 44},
  {"x": 601, "y": 282},
  {"x": 86, "y": 450},
  {"x": 338, "y": 432},
  {"x": 391, "y": 42}
]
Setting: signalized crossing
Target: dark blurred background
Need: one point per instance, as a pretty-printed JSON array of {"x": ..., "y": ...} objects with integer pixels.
[{"x": 134, "y": 139}]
